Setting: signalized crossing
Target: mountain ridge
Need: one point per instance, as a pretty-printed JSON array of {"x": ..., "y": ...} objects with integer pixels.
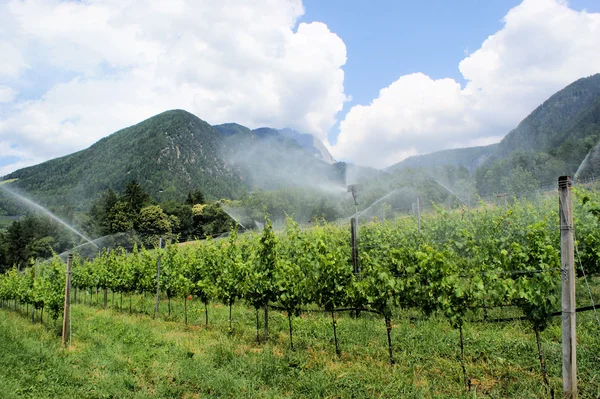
[
  {"x": 570, "y": 113},
  {"x": 171, "y": 154}
]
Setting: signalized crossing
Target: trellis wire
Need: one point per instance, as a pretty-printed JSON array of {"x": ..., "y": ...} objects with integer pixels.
[{"x": 586, "y": 281}]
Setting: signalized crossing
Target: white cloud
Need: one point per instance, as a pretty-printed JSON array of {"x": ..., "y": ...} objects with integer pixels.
[
  {"x": 7, "y": 94},
  {"x": 119, "y": 62},
  {"x": 543, "y": 46}
]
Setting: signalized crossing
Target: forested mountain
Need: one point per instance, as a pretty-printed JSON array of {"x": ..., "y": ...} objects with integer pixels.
[
  {"x": 553, "y": 140},
  {"x": 309, "y": 143},
  {"x": 470, "y": 158},
  {"x": 169, "y": 154},
  {"x": 269, "y": 160},
  {"x": 174, "y": 153},
  {"x": 565, "y": 116}
]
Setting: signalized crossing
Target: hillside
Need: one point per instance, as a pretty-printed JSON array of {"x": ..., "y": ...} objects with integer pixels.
[
  {"x": 470, "y": 158},
  {"x": 169, "y": 154},
  {"x": 306, "y": 141},
  {"x": 552, "y": 140},
  {"x": 554, "y": 122},
  {"x": 270, "y": 160},
  {"x": 174, "y": 153}
]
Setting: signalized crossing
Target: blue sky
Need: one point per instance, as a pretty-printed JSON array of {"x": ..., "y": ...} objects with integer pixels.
[
  {"x": 387, "y": 39},
  {"x": 375, "y": 81}
]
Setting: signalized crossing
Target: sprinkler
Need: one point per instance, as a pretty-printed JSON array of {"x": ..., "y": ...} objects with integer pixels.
[{"x": 353, "y": 188}]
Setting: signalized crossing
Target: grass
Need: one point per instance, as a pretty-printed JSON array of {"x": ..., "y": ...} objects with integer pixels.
[{"x": 122, "y": 355}]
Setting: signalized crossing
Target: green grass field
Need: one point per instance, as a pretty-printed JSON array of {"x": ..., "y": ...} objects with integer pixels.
[{"x": 122, "y": 355}]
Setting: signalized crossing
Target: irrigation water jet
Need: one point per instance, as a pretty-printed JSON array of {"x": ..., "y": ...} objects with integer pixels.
[
  {"x": 446, "y": 188},
  {"x": 581, "y": 165},
  {"x": 233, "y": 214},
  {"x": 45, "y": 211},
  {"x": 359, "y": 214}
]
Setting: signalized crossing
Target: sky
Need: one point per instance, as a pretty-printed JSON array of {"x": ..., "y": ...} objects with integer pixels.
[{"x": 376, "y": 81}]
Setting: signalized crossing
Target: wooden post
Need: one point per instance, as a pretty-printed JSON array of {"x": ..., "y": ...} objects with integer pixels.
[
  {"x": 469, "y": 206},
  {"x": 354, "y": 248},
  {"x": 157, "y": 279},
  {"x": 567, "y": 257},
  {"x": 419, "y": 215},
  {"x": 67, "y": 309},
  {"x": 34, "y": 276},
  {"x": 266, "y": 326},
  {"x": 504, "y": 195}
]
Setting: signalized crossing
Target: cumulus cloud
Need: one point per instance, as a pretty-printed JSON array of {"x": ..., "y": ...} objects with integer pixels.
[
  {"x": 542, "y": 47},
  {"x": 7, "y": 94},
  {"x": 115, "y": 63}
]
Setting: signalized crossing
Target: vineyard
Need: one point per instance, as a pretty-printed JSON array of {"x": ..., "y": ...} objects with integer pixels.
[{"x": 465, "y": 266}]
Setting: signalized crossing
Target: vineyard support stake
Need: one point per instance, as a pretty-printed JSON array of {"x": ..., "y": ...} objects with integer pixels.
[
  {"x": 355, "y": 266},
  {"x": 290, "y": 325},
  {"x": 266, "y": 321},
  {"x": 418, "y": 215},
  {"x": 34, "y": 276},
  {"x": 206, "y": 313},
  {"x": 567, "y": 257},
  {"x": 337, "y": 347},
  {"x": 185, "y": 309},
  {"x": 388, "y": 327},
  {"x": 462, "y": 358},
  {"x": 353, "y": 237},
  {"x": 67, "y": 309},
  {"x": 157, "y": 279},
  {"x": 257, "y": 328},
  {"x": 542, "y": 360}
]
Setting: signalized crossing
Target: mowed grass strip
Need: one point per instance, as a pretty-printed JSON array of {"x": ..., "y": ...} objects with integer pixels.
[{"x": 121, "y": 355}]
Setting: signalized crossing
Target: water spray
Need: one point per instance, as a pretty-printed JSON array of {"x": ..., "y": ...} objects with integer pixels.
[{"x": 38, "y": 207}]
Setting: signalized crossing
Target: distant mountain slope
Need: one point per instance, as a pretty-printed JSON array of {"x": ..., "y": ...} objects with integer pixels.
[
  {"x": 174, "y": 153},
  {"x": 563, "y": 126},
  {"x": 310, "y": 143},
  {"x": 270, "y": 160},
  {"x": 550, "y": 124},
  {"x": 470, "y": 158},
  {"x": 306, "y": 141},
  {"x": 169, "y": 154},
  {"x": 229, "y": 129}
]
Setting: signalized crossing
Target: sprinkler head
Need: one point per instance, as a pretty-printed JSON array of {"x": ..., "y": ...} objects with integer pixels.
[{"x": 353, "y": 188}]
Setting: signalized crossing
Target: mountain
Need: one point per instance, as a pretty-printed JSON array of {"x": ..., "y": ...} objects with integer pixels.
[
  {"x": 174, "y": 153},
  {"x": 306, "y": 141},
  {"x": 270, "y": 160},
  {"x": 310, "y": 143},
  {"x": 564, "y": 128},
  {"x": 470, "y": 158},
  {"x": 169, "y": 154},
  {"x": 564, "y": 116}
]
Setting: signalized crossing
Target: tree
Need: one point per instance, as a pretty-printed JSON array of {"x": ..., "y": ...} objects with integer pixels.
[
  {"x": 135, "y": 197},
  {"x": 153, "y": 223},
  {"x": 17, "y": 238},
  {"x": 182, "y": 219},
  {"x": 101, "y": 212},
  {"x": 520, "y": 182},
  {"x": 120, "y": 219},
  {"x": 196, "y": 197}
]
